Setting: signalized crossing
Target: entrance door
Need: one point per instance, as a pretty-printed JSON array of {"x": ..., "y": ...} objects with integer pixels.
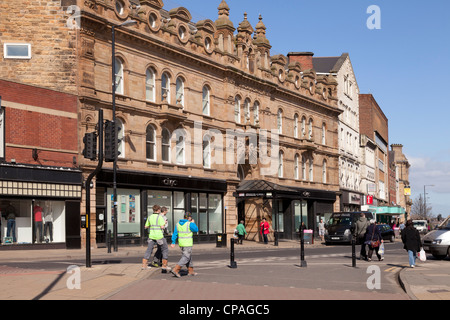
[{"x": 73, "y": 225}]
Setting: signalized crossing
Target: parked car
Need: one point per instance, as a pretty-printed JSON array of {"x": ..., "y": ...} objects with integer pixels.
[
  {"x": 387, "y": 233},
  {"x": 437, "y": 242},
  {"x": 339, "y": 226},
  {"x": 421, "y": 226}
]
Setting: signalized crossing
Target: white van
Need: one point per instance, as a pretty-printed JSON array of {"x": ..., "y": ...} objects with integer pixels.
[
  {"x": 421, "y": 225},
  {"x": 437, "y": 242}
]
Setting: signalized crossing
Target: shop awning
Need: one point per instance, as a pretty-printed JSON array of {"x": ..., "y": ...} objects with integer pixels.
[{"x": 390, "y": 210}]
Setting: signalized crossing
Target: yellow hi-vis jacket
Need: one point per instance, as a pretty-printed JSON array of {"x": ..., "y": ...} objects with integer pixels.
[{"x": 155, "y": 222}]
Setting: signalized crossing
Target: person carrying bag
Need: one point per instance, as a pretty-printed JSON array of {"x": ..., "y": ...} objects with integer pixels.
[{"x": 374, "y": 240}]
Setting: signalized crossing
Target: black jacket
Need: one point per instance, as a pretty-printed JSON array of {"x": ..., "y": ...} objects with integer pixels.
[{"x": 411, "y": 239}]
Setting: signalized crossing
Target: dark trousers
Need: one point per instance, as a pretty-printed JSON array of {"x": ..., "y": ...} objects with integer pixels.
[
  {"x": 363, "y": 252},
  {"x": 48, "y": 226}
]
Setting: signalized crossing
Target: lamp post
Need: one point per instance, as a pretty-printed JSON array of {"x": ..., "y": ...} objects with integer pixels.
[
  {"x": 425, "y": 199},
  {"x": 113, "y": 63}
]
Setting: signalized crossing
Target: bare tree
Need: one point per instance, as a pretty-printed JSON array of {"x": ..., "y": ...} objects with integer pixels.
[{"x": 418, "y": 210}]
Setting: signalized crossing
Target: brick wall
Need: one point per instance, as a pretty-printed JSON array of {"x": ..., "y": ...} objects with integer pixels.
[
  {"x": 53, "y": 45},
  {"x": 41, "y": 119}
]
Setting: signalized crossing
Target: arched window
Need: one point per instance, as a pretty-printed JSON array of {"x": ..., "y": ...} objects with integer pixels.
[
  {"x": 165, "y": 145},
  {"x": 324, "y": 171},
  {"x": 207, "y": 151},
  {"x": 119, "y": 75},
  {"x": 206, "y": 101},
  {"x": 256, "y": 113},
  {"x": 310, "y": 129},
  {"x": 150, "y": 143},
  {"x": 150, "y": 85},
  {"x": 296, "y": 167},
  {"x": 296, "y": 126},
  {"x": 280, "y": 164},
  {"x": 165, "y": 87},
  {"x": 180, "y": 148},
  {"x": 303, "y": 127},
  {"x": 280, "y": 121},
  {"x": 324, "y": 133},
  {"x": 180, "y": 91},
  {"x": 237, "y": 109},
  {"x": 246, "y": 111},
  {"x": 311, "y": 173},
  {"x": 303, "y": 167},
  {"x": 120, "y": 136}
]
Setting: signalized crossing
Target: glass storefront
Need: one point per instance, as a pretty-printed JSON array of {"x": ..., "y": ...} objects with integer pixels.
[
  {"x": 32, "y": 221},
  {"x": 300, "y": 213},
  {"x": 206, "y": 209},
  {"x": 128, "y": 212}
]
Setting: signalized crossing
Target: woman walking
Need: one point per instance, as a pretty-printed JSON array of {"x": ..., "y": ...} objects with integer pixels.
[
  {"x": 411, "y": 241},
  {"x": 374, "y": 240}
]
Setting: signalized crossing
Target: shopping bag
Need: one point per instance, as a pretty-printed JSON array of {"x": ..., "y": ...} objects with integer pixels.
[
  {"x": 422, "y": 255},
  {"x": 381, "y": 250}
]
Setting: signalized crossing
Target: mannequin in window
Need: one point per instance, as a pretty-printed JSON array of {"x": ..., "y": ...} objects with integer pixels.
[
  {"x": 38, "y": 216},
  {"x": 48, "y": 223},
  {"x": 11, "y": 222}
]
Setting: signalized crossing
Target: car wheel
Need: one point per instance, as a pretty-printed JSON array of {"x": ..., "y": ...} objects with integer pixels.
[{"x": 439, "y": 257}]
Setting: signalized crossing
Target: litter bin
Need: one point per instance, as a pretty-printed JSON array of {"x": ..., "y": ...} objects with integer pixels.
[{"x": 221, "y": 240}]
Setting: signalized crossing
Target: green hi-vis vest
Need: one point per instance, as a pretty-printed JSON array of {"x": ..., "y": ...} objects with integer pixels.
[
  {"x": 155, "y": 221},
  {"x": 184, "y": 235}
]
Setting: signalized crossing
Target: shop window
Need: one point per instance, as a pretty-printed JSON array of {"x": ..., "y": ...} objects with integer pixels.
[
  {"x": 280, "y": 216},
  {"x": 300, "y": 214},
  {"x": 215, "y": 213},
  {"x": 163, "y": 199},
  {"x": 19, "y": 222},
  {"x": 128, "y": 212}
]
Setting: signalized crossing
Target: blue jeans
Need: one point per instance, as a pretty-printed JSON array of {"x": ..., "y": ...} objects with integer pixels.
[
  {"x": 11, "y": 226},
  {"x": 412, "y": 257}
]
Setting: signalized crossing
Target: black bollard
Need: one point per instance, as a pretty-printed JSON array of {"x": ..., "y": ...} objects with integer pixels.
[
  {"x": 233, "y": 264},
  {"x": 109, "y": 241},
  {"x": 353, "y": 252},
  {"x": 303, "y": 263}
]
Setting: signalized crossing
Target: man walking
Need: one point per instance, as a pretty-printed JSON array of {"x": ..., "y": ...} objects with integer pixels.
[
  {"x": 184, "y": 231},
  {"x": 156, "y": 224},
  {"x": 360, "y": 233}
]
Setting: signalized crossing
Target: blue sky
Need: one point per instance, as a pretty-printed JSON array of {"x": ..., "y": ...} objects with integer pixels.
[{"x": 405, "y": 65}]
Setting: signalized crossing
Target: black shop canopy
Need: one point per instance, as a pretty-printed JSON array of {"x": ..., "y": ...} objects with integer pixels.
[{"x": 270, "y": 190}]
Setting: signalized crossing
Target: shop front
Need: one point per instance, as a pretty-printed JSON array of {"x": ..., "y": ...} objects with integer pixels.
[
  {"x": 39, "y": 207},
  {"x": 351, "y": 201},
  {"x": 137, "y": 193},
  {"x": 285, "y": 208}
]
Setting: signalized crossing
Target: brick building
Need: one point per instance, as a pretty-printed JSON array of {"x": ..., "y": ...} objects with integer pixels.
[
  {"x": 196, "y": 103},
  {"x": 38, "y": 166},
  {"x": 374, "y": 124}
]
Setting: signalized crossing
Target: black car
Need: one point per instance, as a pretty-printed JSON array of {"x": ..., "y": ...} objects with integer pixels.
[
  {"x": 340, "y": 225},
  {"x": 386, "y": 232}
]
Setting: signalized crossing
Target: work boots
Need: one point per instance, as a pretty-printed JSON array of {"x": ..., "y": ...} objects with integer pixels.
[
  {"x": 191, "y": 272},
  {"x": 176, "y": 271},
  {"x": 145, "y": 264},
  {"x": 164, "y": 266}
]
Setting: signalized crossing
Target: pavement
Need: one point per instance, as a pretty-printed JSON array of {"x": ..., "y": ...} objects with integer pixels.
[{"x": 430, "y": 280}]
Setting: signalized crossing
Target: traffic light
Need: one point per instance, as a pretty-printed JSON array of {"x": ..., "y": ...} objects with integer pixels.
[
  {"x": 111, "y": 141},
  {"x": 90, "y": 146}
]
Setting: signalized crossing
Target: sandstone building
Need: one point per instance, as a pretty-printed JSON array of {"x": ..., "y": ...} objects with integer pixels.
[{"x": 210, "y": 122}]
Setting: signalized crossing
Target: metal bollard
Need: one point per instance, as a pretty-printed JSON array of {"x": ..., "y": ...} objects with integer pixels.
[
  {"x": 109, "y": 241},
  {"x": 233, "y": 264},
  {"x": 353, "y": 252}
]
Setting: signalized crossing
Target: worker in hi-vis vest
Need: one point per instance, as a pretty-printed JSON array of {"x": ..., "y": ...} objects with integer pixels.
[
  {"x": 156, "y": 224},
  {"x": 184, "y": 231}
]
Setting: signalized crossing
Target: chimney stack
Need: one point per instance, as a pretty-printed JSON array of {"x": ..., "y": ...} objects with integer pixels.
[{"x": 304, "y": 58}]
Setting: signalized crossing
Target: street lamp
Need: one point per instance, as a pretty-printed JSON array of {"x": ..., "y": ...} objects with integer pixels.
[
  {"x": 425, "y": 199},
  {"x": 113, "y": 63}
]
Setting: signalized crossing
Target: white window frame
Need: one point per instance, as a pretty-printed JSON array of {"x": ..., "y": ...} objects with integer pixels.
[
  {"x": 206, "y": 152},
  {"x": 296, "y": 167},
  {"x": 152, "y": 143},
  {"x": 280, "y": 164},
  {"x": 165, "y": 87},
  {"x": 256, "y": 113},
  {"x": 5, "y": 51},
  {"x": 180, "y": 91},
  {"x": 165, "y": 144},
  {"x": 280, "y": 121},
  {"x": 206, "y": 101},
  {"x": 296, "y": 125},
  {"x": 150, "y": 85},
  {"x": 119, "y": 75},
  {"x": 237, "y": 109}
]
